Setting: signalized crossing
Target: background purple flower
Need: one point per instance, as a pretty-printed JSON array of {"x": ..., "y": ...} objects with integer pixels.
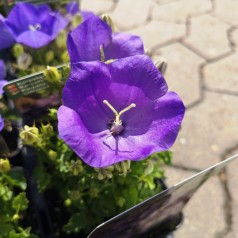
[
  {"x": 6, "y": 37},
  {"x": 87, "y": 123},
  {"x": 34, "y": 26},
  {"x": 84, "y": 42},
  {"x": 1, "y": 123},
  {"x": 2, "y": 76},
  {"x": 73, "y": 8}
]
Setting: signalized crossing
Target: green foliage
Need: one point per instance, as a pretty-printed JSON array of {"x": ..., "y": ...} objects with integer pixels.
[
  {"x": 12, "y": 204},
  {"x": 90, "y": 196},
  {"x": 20, "y": 202}
]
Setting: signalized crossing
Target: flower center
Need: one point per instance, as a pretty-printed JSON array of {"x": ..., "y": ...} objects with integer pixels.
[
  {"x": 34, "y": 27},
  {"x": 116, "y": 126}
]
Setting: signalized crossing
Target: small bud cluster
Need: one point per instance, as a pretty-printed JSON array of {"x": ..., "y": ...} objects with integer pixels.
[
  {"x": 4, "y": 165},
  {"x": 75, "y": 167},
  {"x": 104, "y": 173},
  {"x": 24, "y": 59},
  {"x": 29, "y": 135},
  {"x": 123, "y": 167},
  {"x": 52, "y": 74}
]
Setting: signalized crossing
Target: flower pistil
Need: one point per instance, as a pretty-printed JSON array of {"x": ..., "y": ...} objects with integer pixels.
[{"x": 116, "y": 126}]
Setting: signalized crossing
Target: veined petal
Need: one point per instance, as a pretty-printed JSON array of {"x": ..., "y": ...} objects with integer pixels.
[
  {"x": 124, "y": 45},
  {"x": 164, "y": 123},
  {"x": 85, "y": 40},
  {"x": 140, "y": 72},
  {"x": 84, "y": 92},
  {"x": 89, "y": 147}
]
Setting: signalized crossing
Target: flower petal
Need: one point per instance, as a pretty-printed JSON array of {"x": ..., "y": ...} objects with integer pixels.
[
  {"x": 85, "y": 40},
  {"x": 59, "y": 23},
  {"x": 84, "y": 92},
  {"x": 89, "y": 147},
  {"x": 72, "y": 8},
  {"x": 2, "y": 70},
  {"x": 123, "y": 45},
  {"x": 1, "y": 123},
  {"x": 2, "y": 84},
  {"x": 136, "y": 79},
  {"x": 86, "y": 14},
  {"x": 165, "y": 120},
  {"x": 34, "y": 39},
  {"x": 6, "y": 36}
]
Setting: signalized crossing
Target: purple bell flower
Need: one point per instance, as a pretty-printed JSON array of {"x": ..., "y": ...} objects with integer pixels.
[
  {"x": 1, "y": 123},
  {"x": 86, "y": 40},
  {"x": 118, "y": 111},
  {"x": 6, "y": 36},
  {"x": 2, "y": 76},
  {"x": 34, "y": 26}
]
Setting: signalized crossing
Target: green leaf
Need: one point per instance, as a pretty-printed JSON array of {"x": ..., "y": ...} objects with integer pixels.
[
  {"x": 5, "y": 193},
  {"x": 23, "y": 233},
  {"x": 20, "y": 202},
  {"x": 5, "y": 228},
  {"x": 16, "y": 178},
  {"x": 149, "y": 180},
  {"x": 75, "y": 223}
]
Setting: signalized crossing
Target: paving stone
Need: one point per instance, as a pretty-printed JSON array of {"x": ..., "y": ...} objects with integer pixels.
[
  {"x": 232, "y": 176},
  {"x": 207, "y": 131},
  {"x": 179, "y": 11},
  {"x": 208, "y": 36},
  {"x": 175, "y": 175},
  {"x": 223, "y": 74},
  {"x": 226, "y": 10},
  {"x": 159, "y": 32},
  {"x": 234, "y": 38},
  {"x": 203, "y": 215},
  {"x": 127, "y": 14},
  {"x": 98, "y": 7},
  {"x": 182, "y": 73},
  {"x": 165, "y": 1},
  {"x": 195, "y": 223}
]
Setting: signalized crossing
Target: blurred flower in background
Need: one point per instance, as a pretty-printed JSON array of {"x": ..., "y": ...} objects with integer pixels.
[
  {"x": 2, "y": 76},
  {"x": 33, "y": 25}
]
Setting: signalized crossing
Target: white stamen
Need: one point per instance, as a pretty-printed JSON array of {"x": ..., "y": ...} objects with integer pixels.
[
  {"x": 117, "y": 127},
  {"x": 34, "y": 27}
]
